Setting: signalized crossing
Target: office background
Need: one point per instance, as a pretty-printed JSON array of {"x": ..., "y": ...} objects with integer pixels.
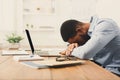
[{"x": 44, "y": 17}]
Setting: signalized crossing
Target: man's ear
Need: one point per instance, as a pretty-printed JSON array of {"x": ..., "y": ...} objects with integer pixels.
[{"x": 78, "y": 29}]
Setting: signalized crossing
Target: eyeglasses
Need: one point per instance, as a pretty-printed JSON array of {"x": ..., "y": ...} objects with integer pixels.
[{"x": 66, "y": 58}]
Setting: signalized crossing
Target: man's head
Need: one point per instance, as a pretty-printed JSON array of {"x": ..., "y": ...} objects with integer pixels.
[{"x": 74, "y": 31}]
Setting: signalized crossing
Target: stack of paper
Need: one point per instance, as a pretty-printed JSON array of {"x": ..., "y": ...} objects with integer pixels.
[
  {"x": 13, "y": 52},
  {"x": 28, "y": 58}
]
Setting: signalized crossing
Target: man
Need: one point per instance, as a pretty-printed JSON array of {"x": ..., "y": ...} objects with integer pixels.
[{"x": 98, "y": 40}]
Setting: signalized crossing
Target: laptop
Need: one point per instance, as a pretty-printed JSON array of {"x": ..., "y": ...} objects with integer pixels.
[
  {"x": 46, "y": 63},
  {"x": 43, "y": 52}
]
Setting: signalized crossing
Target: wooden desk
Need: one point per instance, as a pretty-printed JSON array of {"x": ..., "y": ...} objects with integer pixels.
[{"x": 12, "y": 70}]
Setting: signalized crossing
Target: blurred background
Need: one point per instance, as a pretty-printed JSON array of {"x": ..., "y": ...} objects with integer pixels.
[{"x": 44, "y": 17}]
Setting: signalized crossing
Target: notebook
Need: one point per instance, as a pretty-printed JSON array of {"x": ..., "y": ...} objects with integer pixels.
[
  {"x": 13, "y": 52},
  {"x": 43, "y": 52},
  {"x": 51, "y": 63},
  {"x": 28, "y": 58}
]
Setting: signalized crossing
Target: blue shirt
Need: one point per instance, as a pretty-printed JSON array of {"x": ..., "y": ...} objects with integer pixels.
[{"x": 103, "y": 45}]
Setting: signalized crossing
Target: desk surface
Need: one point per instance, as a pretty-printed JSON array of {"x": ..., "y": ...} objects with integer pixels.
[{"x": 12, "y": 70}]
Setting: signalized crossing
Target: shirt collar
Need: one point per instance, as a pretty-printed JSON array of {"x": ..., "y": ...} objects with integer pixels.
[{"x": 93, "y": 23}]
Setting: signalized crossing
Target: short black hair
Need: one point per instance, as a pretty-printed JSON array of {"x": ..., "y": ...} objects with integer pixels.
[{"x": 68, "y": 29}]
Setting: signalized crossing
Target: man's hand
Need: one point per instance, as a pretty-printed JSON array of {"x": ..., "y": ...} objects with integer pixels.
[{"x": 69, "y": 49}]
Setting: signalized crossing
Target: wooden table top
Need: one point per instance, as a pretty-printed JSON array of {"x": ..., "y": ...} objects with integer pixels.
[{"x": 13, "y": 70}]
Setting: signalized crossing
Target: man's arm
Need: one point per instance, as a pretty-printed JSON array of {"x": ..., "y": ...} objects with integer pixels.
[
  {"x": 69, "y": 49},
  {"x": 101, "y": 36}
]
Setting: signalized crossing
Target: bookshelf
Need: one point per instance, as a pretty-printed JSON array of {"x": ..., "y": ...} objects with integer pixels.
[{"x": 32, "y": 14}]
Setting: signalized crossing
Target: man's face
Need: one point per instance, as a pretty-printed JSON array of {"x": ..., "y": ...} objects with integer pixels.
[{"x": 81, "y": 38}]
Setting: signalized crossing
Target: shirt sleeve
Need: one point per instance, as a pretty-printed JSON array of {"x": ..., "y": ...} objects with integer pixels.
[{"x": 101, "y": 36}]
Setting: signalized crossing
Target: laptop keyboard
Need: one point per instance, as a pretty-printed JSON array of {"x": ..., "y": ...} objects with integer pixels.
[
  {"x": 39, "y": 52},
  {"x": 47, "y": 53}
]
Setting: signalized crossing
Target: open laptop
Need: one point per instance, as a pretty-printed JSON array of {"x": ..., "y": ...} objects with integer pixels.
[
  {"x": 44, "y": 52},
  {"x": 46, "y": 63}
]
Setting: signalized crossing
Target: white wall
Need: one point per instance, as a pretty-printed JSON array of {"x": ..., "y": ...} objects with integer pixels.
[
  {"x": 0, "y": 18},
  {"x": 109, "y": 9},
  {"x": 11, "y": 17},
  {"x": 7, "y": 18}
]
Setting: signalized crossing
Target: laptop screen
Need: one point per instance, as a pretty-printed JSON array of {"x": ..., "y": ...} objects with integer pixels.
[
  {"x": 43, "y": 52},
  {"x": 30, "y": 40}
]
